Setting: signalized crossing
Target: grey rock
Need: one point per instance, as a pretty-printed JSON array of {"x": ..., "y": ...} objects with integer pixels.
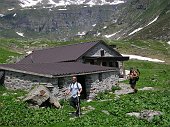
[
  {"x": 106, "y": 112},
  {"x": 39, "y": 95},
  {"x": 145, "y": 114},
  {"x": 147, "y": 88}
]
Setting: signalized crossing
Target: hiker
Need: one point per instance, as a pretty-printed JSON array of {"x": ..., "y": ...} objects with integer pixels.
[
  {"x": 75, "y": 89},
  {"x": 133, "y": 77}
]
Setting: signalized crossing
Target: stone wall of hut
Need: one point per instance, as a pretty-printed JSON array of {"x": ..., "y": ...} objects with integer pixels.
[{"x": 94, "y": 83}]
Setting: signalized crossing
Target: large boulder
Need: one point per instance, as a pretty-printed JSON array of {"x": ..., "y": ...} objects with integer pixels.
[{"x": 41, "y": 96}]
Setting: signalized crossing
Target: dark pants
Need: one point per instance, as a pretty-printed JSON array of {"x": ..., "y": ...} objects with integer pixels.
[
  {"x": 132, "y": 83},
  {"x": 75, "y": 103}
]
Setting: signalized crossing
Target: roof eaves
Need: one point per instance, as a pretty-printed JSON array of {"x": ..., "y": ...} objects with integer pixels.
[
  {"x": 26, "y": 72},
  {"x": 83, "y": 73}
]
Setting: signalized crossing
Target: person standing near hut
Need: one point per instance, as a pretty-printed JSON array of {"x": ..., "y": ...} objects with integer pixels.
[
  {"x": 132, "y": 79},
  {"x": 75, "y": 90}
]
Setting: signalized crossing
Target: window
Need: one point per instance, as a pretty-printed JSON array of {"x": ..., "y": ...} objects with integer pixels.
[
  {"x": 110, "y": 64},
  {"x": 117, "y": 64},
  {"x": 60, "y": 82},
  {"x": 104, "y": 64},
  {"x": 102, "y": 52},
  {"x": 92, "y": 62}
]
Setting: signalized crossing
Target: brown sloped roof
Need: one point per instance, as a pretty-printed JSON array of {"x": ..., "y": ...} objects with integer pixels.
[
  {"x": 58, "y": 54},
  {"x": 56, "y": 69}
]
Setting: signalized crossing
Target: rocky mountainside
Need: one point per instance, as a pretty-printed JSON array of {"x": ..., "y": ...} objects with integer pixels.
[{"x": 65, "y": 19}]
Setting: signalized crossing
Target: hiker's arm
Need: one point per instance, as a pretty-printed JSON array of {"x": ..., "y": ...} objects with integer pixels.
[
  {"x": 129, "y": 76},
  {"x": 68, "y": 91},
  {"x": 80, "y": 90}
]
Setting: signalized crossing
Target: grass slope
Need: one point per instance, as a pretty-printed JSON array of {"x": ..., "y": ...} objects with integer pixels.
[
  {"x": 14, "y": 112},
  {"x": 147, "y": 48},
  {"x": 6, "y": 54}
]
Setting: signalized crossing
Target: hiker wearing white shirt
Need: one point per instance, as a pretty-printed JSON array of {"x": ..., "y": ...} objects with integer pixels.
[{"x": 75, "y": 90}]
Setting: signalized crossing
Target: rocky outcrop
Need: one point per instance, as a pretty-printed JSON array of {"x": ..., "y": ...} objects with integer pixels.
[
  {"x": 41, "y": 96},
  {"x": 56, "y": 22},
  {"x": 67, "y": 22}
]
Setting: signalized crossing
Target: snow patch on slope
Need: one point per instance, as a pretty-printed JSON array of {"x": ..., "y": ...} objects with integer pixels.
[
  {"x": 81, "y": 33},
  {"x": 61, "y": 9},
  {"x": 142, "y": 58},
  {"x": 138, "y": 29},
  {"x": 14, "y": 15},
  {"x": 20, "y": 34},
  {"x": 10, "y": 9},
  {"x": 29, "y": 3},
  {"x": 108, "y": 36},
  {"x": 2, "y": 15},
  {"x": 153, "y": 21}
]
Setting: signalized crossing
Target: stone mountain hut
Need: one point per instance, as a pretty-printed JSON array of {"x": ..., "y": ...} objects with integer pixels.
[{"x": 97, "y": 66}]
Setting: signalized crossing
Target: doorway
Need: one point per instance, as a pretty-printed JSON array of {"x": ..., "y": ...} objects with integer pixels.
[
  {"x": 81, "y": 80},
  {"x": 2, "y": 77}
]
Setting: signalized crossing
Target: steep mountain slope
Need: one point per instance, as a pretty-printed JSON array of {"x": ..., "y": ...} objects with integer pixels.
[
  {"x": 140, "y": 19},
  {"x": 160, "y": 29},
  {"x": 65, "y": 19},
  {"x": 56, "y": 23}
]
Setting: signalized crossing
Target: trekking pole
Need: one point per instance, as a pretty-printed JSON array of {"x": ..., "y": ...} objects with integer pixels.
[{"x": 78, "y": 105}]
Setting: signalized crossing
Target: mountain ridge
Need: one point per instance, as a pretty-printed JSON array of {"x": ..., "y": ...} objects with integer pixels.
[
  {"x": 55, "y": 3},
  {"x": 133, "y": 19}
]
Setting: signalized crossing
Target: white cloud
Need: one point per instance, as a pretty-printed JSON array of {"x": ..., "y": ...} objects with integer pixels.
[{"x": 142, "y": 58}]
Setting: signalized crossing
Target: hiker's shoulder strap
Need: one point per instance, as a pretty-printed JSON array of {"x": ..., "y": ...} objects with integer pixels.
[
  {"x": 77, "y": 85},
  {"x": 70, "y": 86}
]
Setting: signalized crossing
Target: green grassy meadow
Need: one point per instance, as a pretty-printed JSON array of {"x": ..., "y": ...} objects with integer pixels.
[{"x": 14, "y": 112}]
